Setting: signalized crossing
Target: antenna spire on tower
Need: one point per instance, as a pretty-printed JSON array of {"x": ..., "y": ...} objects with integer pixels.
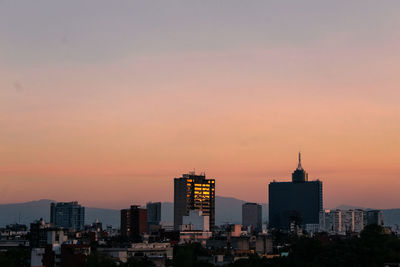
[{"x": 299, "y": 167}]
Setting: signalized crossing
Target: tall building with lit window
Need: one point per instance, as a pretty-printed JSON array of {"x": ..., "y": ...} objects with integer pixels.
[{"x": 194, "y": 192}]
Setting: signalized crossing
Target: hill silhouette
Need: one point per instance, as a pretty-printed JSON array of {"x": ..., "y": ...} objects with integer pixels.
[{"x": 228, "y": 210}]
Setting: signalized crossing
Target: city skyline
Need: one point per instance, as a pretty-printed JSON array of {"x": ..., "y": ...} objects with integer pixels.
[
  {"x": 193, "y": 172},
  {"x": 127, "y": 96}
]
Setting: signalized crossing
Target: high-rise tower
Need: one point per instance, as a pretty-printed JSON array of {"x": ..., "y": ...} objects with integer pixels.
[
  {"x": 194, "y": 192},
  {"x": 134, "y": 222},
  {"x": 299, "y": 175},
  {"x": 252, "y": 216},
  {"x": 153, "y": 214},
  {"x": 298, "y": 201},
  {"x": 67, "y": 215}
]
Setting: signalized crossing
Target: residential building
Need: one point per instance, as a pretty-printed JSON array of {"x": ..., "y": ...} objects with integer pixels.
[
  {"x": 263, "y": 245},
  {"x": 155, "y": 252},
  {"x": 67, "y": 215},
  {"x": 342, "y": 221},
  {"x": 330, "y": 221},
  {"x": 193, "y": 236},
  {"x": 373, "y": 217},
  {"x": 57, "y": 255},
  {"x": 197, "y": 220},
  {"x": 195, "y": 228},
  {"x": 133, "y": 222},
  {"x": 38, "y": 233},
  {"x": 234, "y": 230},
  {"x": 347, "y": 221},
  {"x": 358, "y": 220}
]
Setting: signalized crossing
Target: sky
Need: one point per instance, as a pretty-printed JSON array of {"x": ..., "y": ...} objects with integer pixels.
[{"x": 105, "y": 102}]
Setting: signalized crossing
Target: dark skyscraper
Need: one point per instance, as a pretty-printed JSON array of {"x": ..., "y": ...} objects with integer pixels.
[
  {"x": 153, "y": 214},
  {"x": 194, "y": 192},
  {"x": 373, "y": 217},
  {"x": 133, "y": 222},
  {"x": 67, "y": 215},
  {"x": 299, "y": 175},
  {"x": 252, "y": 216},
  {"x": 38, "y": 234},
  {"x": 299, "y": 201}
]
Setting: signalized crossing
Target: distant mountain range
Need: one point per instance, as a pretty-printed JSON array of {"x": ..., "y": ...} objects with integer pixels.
[
  {"x": 27, "y": 212},
  {"x": 227, "y": 209}
]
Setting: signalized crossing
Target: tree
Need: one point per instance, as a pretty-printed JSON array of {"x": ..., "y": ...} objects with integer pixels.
[{"x": 98, "y": 260}]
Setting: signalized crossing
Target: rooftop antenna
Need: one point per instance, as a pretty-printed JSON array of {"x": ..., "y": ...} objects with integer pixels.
[{"x": 299, "y": 167}]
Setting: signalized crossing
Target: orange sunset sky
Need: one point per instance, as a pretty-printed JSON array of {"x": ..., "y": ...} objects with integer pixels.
[{"x": 105, "y": 102}]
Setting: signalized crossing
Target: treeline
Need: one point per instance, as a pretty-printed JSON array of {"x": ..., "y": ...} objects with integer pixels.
[{"x": 372, "y": 248}]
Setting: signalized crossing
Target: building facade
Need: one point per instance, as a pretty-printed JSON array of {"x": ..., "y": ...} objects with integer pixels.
[
  {"x": 38, "y": 233},
  {"x": 341, "y": 221},
  {"x": 358, "y": 220},
  {"x": 153, "y": 214},
  {"x": 299, "y": 201},
  {"x": 133, "y": 222},
  {"x": 330, "y": 221},
  {"x": 373, "y": 217},
  {"x": 252, "y": 216},
  {"x": 194, "y": 192},
  {"x": 67, "y": 215},
  {"x": 152, "y": 251},
  {"x": 196, "y": 221},
  {"x": 347, "y": 221}
]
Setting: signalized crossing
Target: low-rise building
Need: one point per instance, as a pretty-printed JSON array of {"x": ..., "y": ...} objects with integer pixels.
[
  {"x": 193, "y": 236},
  {"x": 156, "y": 252},
  {"x": 198, "y": 221}
]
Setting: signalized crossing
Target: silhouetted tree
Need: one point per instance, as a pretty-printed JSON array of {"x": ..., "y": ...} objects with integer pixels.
[
  {"x": 99, "y": 260},
  {"x": 138, "y": 262}
]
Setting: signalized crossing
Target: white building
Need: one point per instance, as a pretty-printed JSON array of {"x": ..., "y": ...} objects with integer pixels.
[
  {"x": 36, "y": 257},
  {"x": 197, "y": 221},
  {"x": 56, "y": 236},
  {"x": 341, "y": 221},
  {"x": 347, "y": 221},
  {"x": 330, "y": 221},
  {"x": 358, "y": 220},
  {"x": 195, "y": 228}
]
